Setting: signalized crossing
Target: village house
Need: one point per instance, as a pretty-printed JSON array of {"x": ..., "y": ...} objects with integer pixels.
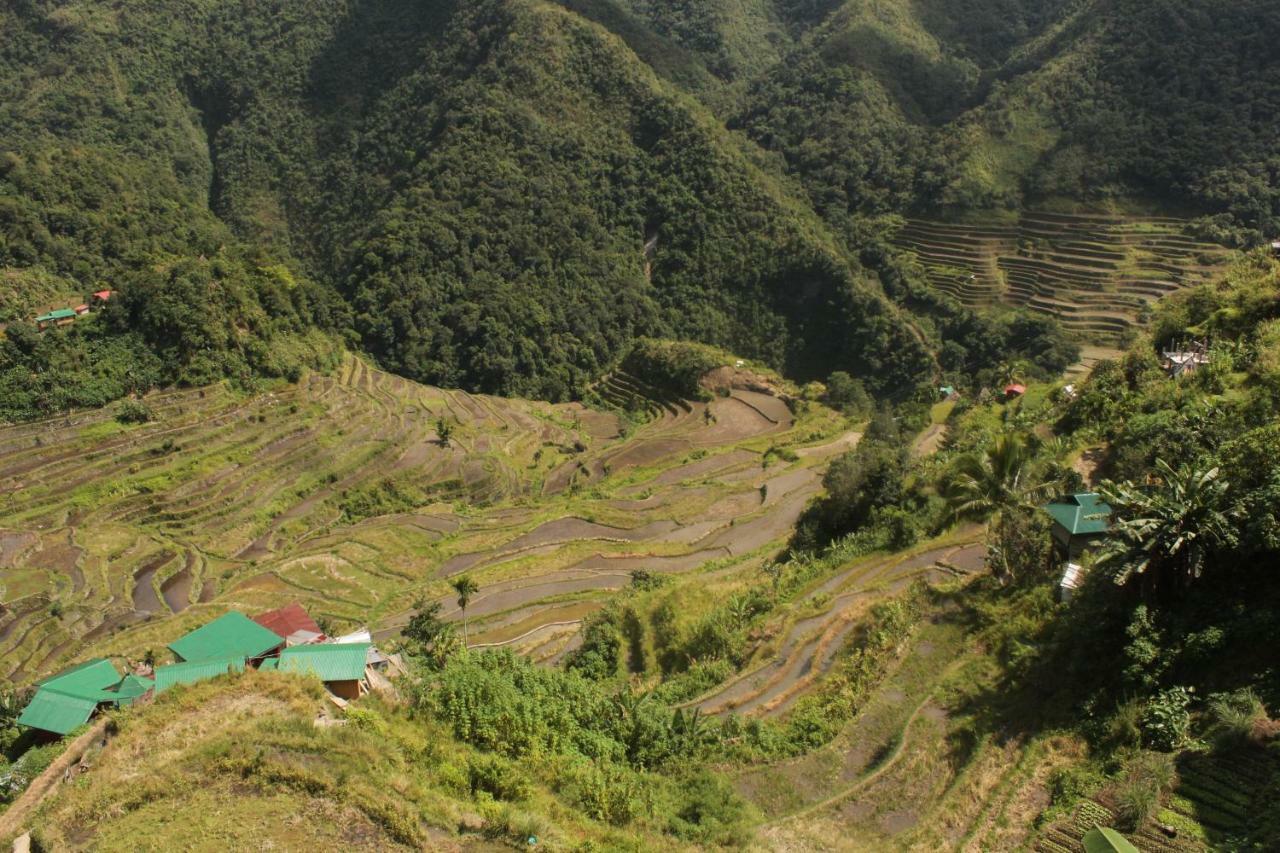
[
  {"x": 60, "y": 317},
  {"x": 285, "y": 640},
  {"x": 229, "y": 637},
  {"x": 66, "y": 701},
  {"x": 292, "y": 623},
  {"x": 1080, "y": 522},
  {"x": 340, "y": 666}
]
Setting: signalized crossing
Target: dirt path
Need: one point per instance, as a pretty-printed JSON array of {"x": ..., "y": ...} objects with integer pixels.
[
  {"x": 14, "y": 819},
  {"x": 929, "y": 441}
]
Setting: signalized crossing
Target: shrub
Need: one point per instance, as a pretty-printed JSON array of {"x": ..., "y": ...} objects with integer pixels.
[
  {"x": 709, "y": 811},
  {"x": 607, "y": 793},
  {"x": 1166, "y": 720},
  {"x": 498, "y": 778},
  {"x": 1147, "y": 776},
  {"x": 1233, "y": 717},
  {"x": 672, "y": 366},
  {"x": 133, "y": 412}
]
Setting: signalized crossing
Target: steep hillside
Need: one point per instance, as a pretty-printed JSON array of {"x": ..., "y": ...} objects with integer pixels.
[
  {"x": 961, "y": 107},
  {"x": 503, "y": 193}
]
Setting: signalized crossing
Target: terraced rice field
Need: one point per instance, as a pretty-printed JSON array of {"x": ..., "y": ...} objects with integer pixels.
[
  {"x": 115, "y": 538},
  {"x": 914, "y": 769},
  {"x": 1216, "y": 803},
  {"x": 1095, "y": 273}
]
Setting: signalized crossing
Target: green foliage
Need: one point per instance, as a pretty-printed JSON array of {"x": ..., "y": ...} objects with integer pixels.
[
  {"x": 672, "y": 367},
  {"x": 602, "y": 743},
  {"x": 1165, "y": 536},
  {"x": 847, "y": 394},
  {"x": 133, "y": 412},
  {"x": 432, "y": 639},
  {"x": 1235, "y": 717},
  {"x": 15, "y": 778},
  {"x": 708, "y": 811},
  {"x": 1166, "y": 721},
  {"x": 388, "y": 496},
  {"x": 871, "y": 477},
  {"x": 1147, "y": 776}
]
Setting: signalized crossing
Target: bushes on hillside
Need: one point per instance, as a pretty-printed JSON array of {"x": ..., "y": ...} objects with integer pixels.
[{"x": 673, "y": 367}]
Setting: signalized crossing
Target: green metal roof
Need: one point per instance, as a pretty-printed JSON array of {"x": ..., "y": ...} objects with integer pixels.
[
  {"x": 232, "y": 635},
  {"x": 131, "y": 687},
  {"x": 60, "y": 314},
  {"x": 1103, "y": 839},
  {"x": 328, "y": 662},
  {"x": 54, "y": 711},
  {"x": 87, "y": 679},
  {"x": 1083, "y": 514},
  {"x": 189, "y": 672}
]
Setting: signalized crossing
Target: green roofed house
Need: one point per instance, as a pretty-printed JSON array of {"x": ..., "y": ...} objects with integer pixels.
[
  {"x": 67, "y": 700},
  {"x": 232, "y": 635},
  {"x": 189, "y": 672},
  {"x": 1080, "y": 521},
  {"x": 56, "y": 318},
  {"x": 339, "y": 666}
]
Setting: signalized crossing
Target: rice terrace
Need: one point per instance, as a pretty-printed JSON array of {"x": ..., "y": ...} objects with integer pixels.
[{"x": 640, "y": 425}]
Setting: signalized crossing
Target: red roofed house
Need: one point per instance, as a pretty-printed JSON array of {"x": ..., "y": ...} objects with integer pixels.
[
  {"x": 1014, "y": 389},
  {"x": 82, "y": 309},
  {"x": 293, "y": 623},
  {"x": 102, "y": 295}
]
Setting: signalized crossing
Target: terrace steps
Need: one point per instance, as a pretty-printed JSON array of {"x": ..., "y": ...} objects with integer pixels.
[{"x": 1096, "y": 272}]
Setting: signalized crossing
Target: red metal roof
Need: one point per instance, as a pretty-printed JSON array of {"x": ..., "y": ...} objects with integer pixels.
[
  {"x": 104, "y": 295},
  {"x": 1015, "y": 388},
  {"x": 288, "y": 620}
]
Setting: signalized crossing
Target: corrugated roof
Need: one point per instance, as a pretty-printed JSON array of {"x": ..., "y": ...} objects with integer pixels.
[
  {"x": 232, "y": 635},
  {"x": 54, "y": 711},
  {"x": 86, "y": 679},
  {"x": 330, "y": 662},
  {"x": 131, "y": 687},
  {"x": 288, "y": 621},
  {"x": 1081, "y": 514},
  {"x": 189, "y": 672}
]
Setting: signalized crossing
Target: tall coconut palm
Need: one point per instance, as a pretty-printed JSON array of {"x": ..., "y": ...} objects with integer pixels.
[
  {"x": 466, "y": 588},
  {"x": 994, "y": 482},
  {"x": 1164, "y": 534}
]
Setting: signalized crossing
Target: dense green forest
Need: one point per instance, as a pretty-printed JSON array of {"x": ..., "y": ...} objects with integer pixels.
[{"x": 503, "y": 195}]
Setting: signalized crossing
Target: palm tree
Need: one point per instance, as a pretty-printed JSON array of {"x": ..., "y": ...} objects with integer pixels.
[
  {"x": 993, "y": 483},
  {"x": 1165, "y": 534},
  {"x": 465, "y": 587}
]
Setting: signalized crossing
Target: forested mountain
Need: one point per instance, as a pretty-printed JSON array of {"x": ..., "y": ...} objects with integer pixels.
[{"x": 503, "y": 194}]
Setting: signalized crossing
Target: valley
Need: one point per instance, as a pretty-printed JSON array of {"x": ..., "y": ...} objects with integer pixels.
[
  {"x": 594, "y": 425},
  {"x": 224, "y": 501}
]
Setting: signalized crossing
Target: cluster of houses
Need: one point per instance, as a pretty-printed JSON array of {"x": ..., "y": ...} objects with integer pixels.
[
  {"x": 64, "y": 316},
  {"x": 286, "y": 640}
]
